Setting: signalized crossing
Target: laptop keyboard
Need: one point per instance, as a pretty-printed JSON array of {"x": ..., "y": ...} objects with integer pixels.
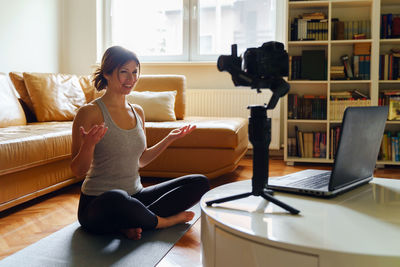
[{"x": 316, "y": 181}]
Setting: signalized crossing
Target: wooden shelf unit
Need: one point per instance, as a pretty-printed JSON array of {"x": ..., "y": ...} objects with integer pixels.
[{"x": 350, "y": 10}]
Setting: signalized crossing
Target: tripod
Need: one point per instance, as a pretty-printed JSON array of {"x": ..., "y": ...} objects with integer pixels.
[{"x": 260, "y": 137}]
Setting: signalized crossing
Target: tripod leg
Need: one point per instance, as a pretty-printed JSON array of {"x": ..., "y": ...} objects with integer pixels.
[
  {"x": 230, "y": 198},
  {"x": 279, "y": 203}
]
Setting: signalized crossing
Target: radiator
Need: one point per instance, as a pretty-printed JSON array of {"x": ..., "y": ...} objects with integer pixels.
[{"x": 232, "y": 103}]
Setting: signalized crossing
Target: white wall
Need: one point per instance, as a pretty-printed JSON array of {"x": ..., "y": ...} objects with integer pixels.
[
  {"x": 30, "y": 35},
  {"x": 79, "y": 36}
]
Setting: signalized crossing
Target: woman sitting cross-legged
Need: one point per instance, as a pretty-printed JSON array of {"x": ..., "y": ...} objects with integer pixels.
[{"x": 109, "y": 147}]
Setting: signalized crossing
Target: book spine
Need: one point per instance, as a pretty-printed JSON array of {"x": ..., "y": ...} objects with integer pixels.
[
  {"x": 356, "y": 66},
  {"x": 322, "y": 145},
  {"x": 316, "y": 150}
]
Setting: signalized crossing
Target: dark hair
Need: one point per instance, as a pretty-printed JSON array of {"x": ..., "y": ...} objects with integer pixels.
[{"x": 113, "y": 58}]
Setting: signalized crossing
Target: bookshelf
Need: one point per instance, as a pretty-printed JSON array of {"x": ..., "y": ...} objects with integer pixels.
[{"x": 344, "y": 19}]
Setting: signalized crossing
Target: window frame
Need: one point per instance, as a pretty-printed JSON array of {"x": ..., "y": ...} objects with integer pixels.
[{"x": 190, "y": 33}]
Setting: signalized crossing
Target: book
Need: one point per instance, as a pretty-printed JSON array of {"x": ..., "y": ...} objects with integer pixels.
[
  {"x": 347, "y": 66},
  {"x": 356, "y": 66},
  {"x": 396, "y": 27},
  {"x": 301, "y": 142},
  {"x": 394, "y": 108},
  {"x": 340, "y": 30},
  {"x": 359, "y": 36},
  {"x": 317, "y": 148},
  {"x": 322, "y": 145},
  {"x": 291, "y": 149},
  {"x": 308, "y": 144},
  {"x": 298, "y": 148},
  {"x": 313, "y": 65},
  {"x": 358, "y": 94},
  {"x": 362, "y": 49}
]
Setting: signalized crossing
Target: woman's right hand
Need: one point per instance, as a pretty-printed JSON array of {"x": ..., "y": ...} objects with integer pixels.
[{"x": 94, "y": 135}]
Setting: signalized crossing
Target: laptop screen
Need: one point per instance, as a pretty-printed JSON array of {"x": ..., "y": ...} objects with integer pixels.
[{"x": 359, "y": 143}]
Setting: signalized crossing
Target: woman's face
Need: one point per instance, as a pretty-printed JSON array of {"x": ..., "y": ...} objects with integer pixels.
[{"x": 124, "y": 78}]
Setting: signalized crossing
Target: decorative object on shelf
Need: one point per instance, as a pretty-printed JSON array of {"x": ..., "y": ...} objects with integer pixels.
[{"x": 394, "y": 108}]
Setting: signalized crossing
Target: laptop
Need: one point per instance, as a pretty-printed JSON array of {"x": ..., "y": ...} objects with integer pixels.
[{"x": 354, "y": 164}]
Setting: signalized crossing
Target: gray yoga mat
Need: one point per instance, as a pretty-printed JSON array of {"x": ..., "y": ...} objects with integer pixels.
[{"x": 71, "y": 246}]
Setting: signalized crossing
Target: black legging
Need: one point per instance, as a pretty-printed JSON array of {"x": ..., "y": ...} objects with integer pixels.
[{"x": 115, "y": 209}]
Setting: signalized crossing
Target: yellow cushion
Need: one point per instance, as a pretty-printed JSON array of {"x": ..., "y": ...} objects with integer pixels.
[
  {"x": 18, "y": 80},
  {"x": 210, "y": 132},
  {"x": 88, "y": 88},
  {"x": 11, "y": 112},
  {"x": 157, "y": 106},
  {"x": 159, "y": 83},
  {"x": 55, "y": 97}
]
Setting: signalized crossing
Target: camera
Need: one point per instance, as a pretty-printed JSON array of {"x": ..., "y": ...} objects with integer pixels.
[{"x": 261, "y": 67}]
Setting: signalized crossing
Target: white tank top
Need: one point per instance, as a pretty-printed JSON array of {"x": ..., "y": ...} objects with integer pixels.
[{"x": 115, "y": 162}]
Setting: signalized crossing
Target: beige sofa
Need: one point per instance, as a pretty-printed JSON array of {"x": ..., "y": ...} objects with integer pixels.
[{"x": 35, "y": 156}]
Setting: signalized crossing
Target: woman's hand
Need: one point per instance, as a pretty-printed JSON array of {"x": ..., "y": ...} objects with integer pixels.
[
  {"x": 181, "y": 132},
  {"x": 94, "y": 135}
]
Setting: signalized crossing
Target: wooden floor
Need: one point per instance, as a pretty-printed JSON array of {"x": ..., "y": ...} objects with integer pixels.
[{"x": 32, "y": 221}]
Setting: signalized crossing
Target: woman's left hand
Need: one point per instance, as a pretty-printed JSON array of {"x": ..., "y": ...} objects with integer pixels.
[{"x": 181, "y": 132}]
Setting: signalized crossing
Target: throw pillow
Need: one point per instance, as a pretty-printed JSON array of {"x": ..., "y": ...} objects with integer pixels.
[
  {"x": 55, "y": 97},
  {"x": 157, "y": 106},
  {"x": 11, "y": 111},
  {"x": 19, "y": 84},
  {"x": 88, "y": 88}
]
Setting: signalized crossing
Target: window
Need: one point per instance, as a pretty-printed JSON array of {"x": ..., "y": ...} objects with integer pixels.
[{"x": 188, "y": 30}]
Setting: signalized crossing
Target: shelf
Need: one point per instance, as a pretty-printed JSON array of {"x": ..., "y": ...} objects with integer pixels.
[
  {"x": 388, "y": 162},
  {"x": 311, "y": 160},
  {"x": 305, "y": 121},
  {"x": 308, "y": 4},
  {"x": 389, "y": 2},
  {"x": 393, "y": 122},
  {"x": 350, "y": 81},
  {"x": 390, "y": 41},
  {"x": 350, "y": 42},
  {"x": 336, "y": 121},
  {"x": 310, "y": 43},
  {"x": 389, "y": 81},
  {"x": 353, "y": 3},
  {"x": 307, "y": 82}
]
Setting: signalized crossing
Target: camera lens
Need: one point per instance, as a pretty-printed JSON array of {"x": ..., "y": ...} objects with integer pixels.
[{"x": 223, "y": 63}]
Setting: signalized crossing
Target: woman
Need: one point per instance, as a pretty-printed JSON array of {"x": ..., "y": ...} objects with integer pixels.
[{"x": 109, "y": 147}]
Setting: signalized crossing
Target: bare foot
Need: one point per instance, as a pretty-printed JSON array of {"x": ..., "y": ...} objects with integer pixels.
[
  {"x": 133, "y": 233},
  {"x": 181, "y": 217}
]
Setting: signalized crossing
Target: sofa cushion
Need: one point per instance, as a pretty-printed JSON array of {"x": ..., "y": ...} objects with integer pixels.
[
  {"x": 88, "y": 88},
  {"x": 17, "y": 79},
  {"x": 11, "y": 110},
  {"x": 210, "y": 132},
  {"x": 157, "y": 83},
  {"x": 55, "y": 97},
  {"x": 157, "y": 106},
  {"x": 35, "y": 144}
]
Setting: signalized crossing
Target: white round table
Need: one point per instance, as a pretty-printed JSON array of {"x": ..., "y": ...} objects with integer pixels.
[{"x": 357, "y": 228}]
